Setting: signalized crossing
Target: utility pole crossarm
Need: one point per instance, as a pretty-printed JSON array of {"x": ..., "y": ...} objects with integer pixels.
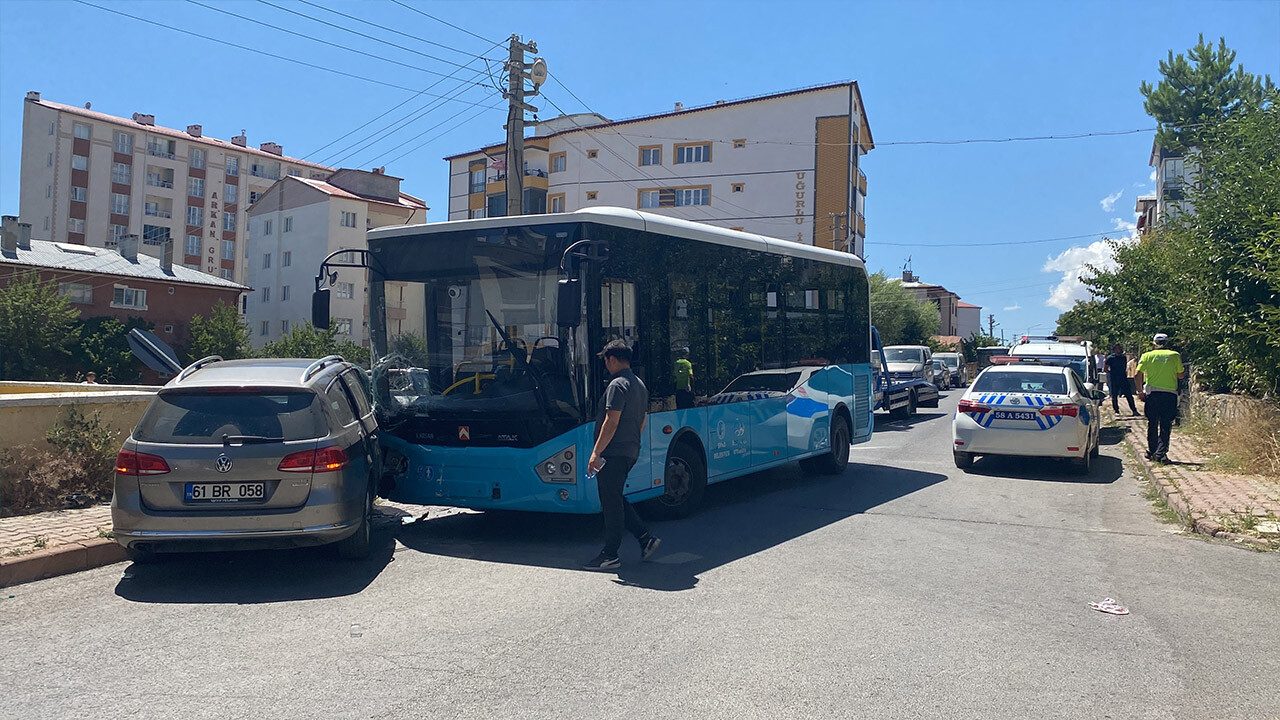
[{"x": 515, "y": 94}]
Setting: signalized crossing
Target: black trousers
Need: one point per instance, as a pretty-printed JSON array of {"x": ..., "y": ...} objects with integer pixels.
[
  {"x": 1118, "y": 386},
  {"x": 1160, "y": 408},
  {"x": 618, "y": 513}
]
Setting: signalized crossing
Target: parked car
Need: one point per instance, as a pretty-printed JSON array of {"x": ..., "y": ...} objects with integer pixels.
[
  {"x": 912, "y": 364},
  {"x": 955, "y": 363},
  {"x": 251, "y": 453},
  {"x": 1028, "y": 409},
  {"x": 941, "y": 374}
]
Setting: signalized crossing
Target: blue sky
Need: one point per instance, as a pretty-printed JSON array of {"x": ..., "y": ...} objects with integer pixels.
[{"x": 928, "y": 71}]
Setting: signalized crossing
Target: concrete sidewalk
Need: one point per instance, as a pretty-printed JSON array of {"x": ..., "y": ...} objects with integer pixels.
[{"x": 1242, "y": 508}]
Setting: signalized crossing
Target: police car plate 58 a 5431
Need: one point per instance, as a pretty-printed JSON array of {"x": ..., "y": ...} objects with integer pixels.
[
  {"x": 225, "y": 492},
  {"x": 1014, "y": 415}
]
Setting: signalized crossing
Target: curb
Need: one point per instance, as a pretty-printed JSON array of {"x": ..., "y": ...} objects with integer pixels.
[
  {"x": 60, "y": 560},
  {"x": 1196, "y": 521}
]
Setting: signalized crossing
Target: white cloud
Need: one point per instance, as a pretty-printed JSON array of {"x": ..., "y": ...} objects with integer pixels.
[
  {"x": 1013, "y": 307},
  {"x": 1152, "y": 176},
  {"x": 1108, "y": 203},
  {"x": 1071, "y": 263}
]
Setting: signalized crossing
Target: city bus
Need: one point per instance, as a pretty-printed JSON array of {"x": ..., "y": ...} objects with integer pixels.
[{"x": 487, "y": 385}]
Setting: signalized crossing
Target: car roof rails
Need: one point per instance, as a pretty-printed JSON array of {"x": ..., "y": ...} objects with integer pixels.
[
  {"x": 194, "y": 367},
  {"x": 319, "y": 365}
]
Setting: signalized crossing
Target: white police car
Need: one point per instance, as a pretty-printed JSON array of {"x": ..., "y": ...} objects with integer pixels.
[{"x": 1027, "y": 408}]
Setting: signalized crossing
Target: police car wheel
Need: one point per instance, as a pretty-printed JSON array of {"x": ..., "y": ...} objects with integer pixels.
[
  {"x": 1082, "y": 465},
  {"x": 964, "y": 460}
]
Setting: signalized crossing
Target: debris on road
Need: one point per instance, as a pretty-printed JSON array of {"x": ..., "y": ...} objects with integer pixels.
[{"x": 1109, "y": 606}]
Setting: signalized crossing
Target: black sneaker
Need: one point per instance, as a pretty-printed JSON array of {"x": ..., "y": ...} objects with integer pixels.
[
  {"x": 603, "y": 562},
  {"x": 648, "y": 546}
]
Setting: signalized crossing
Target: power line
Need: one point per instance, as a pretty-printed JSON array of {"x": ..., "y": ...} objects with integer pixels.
[
  {"x": 994, "y": 244},
  {"x": 383, "y": 27},
  {"x": 446, "y": 22},
  {"x": 228, "y": 43},
  {"x": 434, "y": 138}
]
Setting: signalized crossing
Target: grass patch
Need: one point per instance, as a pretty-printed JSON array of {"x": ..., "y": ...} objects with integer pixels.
[
  {"x": 1248, "y": 442},
  {"x": 106, "y": 534},
  {"x": 41, "y": 542}
]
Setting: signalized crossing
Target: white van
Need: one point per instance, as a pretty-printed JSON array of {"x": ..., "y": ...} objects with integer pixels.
[{"x": 1080, "y": 359}]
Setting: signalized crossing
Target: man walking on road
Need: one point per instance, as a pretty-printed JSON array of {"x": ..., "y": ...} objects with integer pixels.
[
  {"x": 1118, "y": 380},
  {"x": 623, "y": 412},
  {"x": 1158, "y": 373}
]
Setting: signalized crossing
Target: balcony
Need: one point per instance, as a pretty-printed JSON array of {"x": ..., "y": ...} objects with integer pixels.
[
  {"x": 158, "y": 212},
  {"x": 862, "y": 182},
  {"x": 160, "y": 151},
  {"x": 155, "y": 181}
]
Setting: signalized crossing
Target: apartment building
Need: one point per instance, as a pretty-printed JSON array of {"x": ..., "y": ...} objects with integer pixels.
[
  {"x": 786, "y": 165},
  {"x": 296, "y": 224},
  {"x": 1175, "y": 173},
  {"x": 947, "y": 302},
  {"x": 968, "y": 319},
  {"x": 89, "y": 178}
]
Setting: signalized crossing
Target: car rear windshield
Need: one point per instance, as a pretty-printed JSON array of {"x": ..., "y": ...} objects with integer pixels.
[
  {"x": 1022, "y": 382},
  {"x": 199, "y": 417}
]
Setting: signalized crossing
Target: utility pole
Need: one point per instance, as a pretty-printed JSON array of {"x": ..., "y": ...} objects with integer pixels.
[
  {"x": 991, "y": 325},
  {"x": 836, "y": 226},
  {"x": 515, "y": 95}
]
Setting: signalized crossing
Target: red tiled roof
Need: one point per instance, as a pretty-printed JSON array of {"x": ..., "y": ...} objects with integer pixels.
[
  {"x": 406, "y": 201},
  {"x": 964, "y": 304}
]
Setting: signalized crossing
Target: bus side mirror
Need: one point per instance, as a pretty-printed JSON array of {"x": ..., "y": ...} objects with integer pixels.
[
  {"x": 320, "y": 309},
  {"x": 568, "y": 303}
]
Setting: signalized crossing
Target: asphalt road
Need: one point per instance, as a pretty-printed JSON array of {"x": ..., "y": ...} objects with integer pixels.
[{"x": 903, "y": 588}]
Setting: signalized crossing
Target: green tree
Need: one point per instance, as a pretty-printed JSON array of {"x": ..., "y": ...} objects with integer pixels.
[
  {"x": 412, "y": 346},
  {"x": 37, "y": 329},
  {"x": 306, "y": 341},
  {"x": 222, "y": 333},
  {"x": 1198, "y": 88},
  {"x": 103, "y": 348},
  {"x": 975, "y": 341},
  {"x": 898, "y": 315}
]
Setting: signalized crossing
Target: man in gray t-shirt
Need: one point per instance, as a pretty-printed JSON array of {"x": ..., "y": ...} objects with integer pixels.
[{"x": 623, "y": 411}]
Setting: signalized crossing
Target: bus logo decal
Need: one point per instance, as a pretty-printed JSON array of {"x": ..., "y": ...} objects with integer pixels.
[{"x": 464, "y": 432}]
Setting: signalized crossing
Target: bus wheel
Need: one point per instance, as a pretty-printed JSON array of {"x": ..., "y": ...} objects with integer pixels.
[
  {"x": 837, "y": 459},
  {"x": 684, "y": 482}
]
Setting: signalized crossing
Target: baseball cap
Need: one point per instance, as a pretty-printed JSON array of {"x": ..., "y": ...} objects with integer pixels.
[{"x": 1160, "y": 338}]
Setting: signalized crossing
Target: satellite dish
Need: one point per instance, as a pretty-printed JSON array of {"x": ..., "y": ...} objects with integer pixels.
[
  {"x": 153, "y": 352},
  {"x": 538, "y": 73}
]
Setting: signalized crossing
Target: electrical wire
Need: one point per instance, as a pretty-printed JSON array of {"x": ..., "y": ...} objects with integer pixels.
[
  {"x": 995, "y": 244},
  {"x": 388, "y": 29},
  {"x": 445, "y": 22},
  {"x": 436, "y": 137}
]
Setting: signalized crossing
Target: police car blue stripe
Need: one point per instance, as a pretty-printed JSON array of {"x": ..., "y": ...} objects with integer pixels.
[{"x": 1040, "y": 422}]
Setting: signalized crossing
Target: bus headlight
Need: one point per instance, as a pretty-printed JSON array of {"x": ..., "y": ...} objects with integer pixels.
[{"x": 558, "y": 468}]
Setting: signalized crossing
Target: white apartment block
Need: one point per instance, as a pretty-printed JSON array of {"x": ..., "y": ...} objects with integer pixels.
[
  {"x": 1175, "y": 173},
  {"x": 779, "y": 165},
  {"x": 89, "y": 178},
  {"x": 296, "y": 224}
]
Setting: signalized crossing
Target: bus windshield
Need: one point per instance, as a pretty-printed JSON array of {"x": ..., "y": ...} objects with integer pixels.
[{"x": 467, "y": 326}]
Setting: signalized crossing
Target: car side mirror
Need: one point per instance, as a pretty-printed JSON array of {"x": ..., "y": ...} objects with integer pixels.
[
  {"x": 320, "y": 309},
  {"x": 1099, "y": 395},
  {"x": 568, "y": 303}
]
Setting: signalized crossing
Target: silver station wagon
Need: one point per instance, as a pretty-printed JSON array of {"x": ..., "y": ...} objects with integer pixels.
[{"x": 251, "y": 453}]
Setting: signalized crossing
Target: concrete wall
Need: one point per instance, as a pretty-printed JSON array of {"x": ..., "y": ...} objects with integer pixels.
[{"x": 26, "y": 417}]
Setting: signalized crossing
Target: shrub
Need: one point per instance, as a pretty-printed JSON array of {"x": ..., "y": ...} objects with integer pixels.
[{"x": 80, "y": 463}]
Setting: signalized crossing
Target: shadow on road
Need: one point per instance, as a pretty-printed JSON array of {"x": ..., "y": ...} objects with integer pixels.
[
  {"x": 262, "y": 576},
  {"x": 1106, "y": 469},
  {"x": 1113, "y": 435},
  {"x": 739, "y": 518},
  {"x": 884, "y": 423}
]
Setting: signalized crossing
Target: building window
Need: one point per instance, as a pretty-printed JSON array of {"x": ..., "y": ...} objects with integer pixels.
[
  {"x": 266, "y": 327},
  {"x": 48, "y": 191},
  {"x": 699, "y": 153},
  {"x": 229, "y": 221},
  {"x": 271, "y": 171},
  {"x": 158, "y": 177},
  {"x": 152, "y": 208},
  {"x": 266, "y": 294},
  {"x": 286, "y": 258},
  {"x": 693, "y": 196},
  {"x": 593, "y": 154},
  {"x": 195, "y": 187},
  {"x": 342, "y": 325},
  {"x": 266, "y": 228},
  {"x": 233, "y": 166},
  {"x": 737, "y": 187},
  {"x": 345, "y": 258},
  {"x": 161, "y": 148},
  {"x": 344, "y": 290},
  {"x": 197, "y": 158},
  {"x": 650, "y": 154},
  {"x": 79, "y": 194},
  {"x": 476, "y": 184},
  {"x": 46, "y": 222},
  {"x": 119, "y": 204},
  {"x": 76, "y": 292},
  {"x": 226, "y": 273},
  {"x": 79, "y": 162},
  {"x": 284, "y": 294},
  {"x": 591, "y": 194},
  {"x": 75, "y": 225},
  {"x": 193, "y": 245},
  {"x": 191, "y": 266},
  {"x": 195, "y": 215},
  {"x": 231, "y": 194},
  {"x": 228, "y": 249},
  {"x": 477, "y": 213},
  {"x": 81, "y": 131},
  {"x": 115, "y": 233},
  {"x": 128, "y": 297},
  {"x": 124, "y": 143},
  {"x": 284, "y": 326},
  {"x": 121, "y": 173},
  {"x": 154, "y": 234},
  {"x": 650, "y": 199},
  {"x": 253, "y": 197},
  {"x": 348, "y": 219},
  {"x": 295, "y": 173},
  {"x": 288, "y": 224},
  {"x": 557, "y": 203},
  {"x": 739, "y": 143},
  {"x": 266, "y": 261},
  {"x": 557, "y": 162}
]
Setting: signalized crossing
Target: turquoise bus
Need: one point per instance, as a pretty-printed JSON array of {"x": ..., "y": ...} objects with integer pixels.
[{"x": 484, "y": 333}]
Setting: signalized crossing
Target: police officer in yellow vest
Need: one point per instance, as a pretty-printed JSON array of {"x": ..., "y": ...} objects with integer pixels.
[{"x": 1158, "y": 373}]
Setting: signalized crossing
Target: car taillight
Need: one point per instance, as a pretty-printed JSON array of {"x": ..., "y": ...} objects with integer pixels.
[
  {"x": 974, "y": 407},
  {"x": 326, "y": 459},
  {"x": 129, "y": 462},
  {"x": 1061, "y": 409}
]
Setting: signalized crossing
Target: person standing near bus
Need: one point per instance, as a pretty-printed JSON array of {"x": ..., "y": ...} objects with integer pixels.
[
  {"x": 1158, "y": 373},
  {"x": 1118, "y": 380},
  {"x": 683, "y": 376},
  {"x": 623, "y": 412}
]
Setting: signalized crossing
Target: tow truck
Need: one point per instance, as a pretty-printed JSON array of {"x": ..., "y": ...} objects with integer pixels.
[{"x": 899, "y": 398}]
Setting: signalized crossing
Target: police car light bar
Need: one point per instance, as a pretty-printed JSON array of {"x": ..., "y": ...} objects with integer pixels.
[{"x": 1033, "y": 360}]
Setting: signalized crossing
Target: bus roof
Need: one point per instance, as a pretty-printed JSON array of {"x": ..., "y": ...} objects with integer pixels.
[{"x": 634, "y": 220}]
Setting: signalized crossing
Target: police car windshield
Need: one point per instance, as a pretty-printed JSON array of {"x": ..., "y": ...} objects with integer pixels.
[{"x": 1022, "y": 382}]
